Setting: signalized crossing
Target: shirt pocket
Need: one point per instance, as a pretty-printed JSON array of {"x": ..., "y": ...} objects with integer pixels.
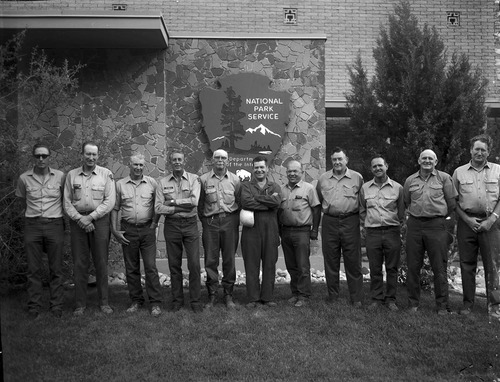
[
  {"x": 53, "y": 190},
  {"x": 491, "y": 186},
  {"x": 97, "y": 192},
  {"x": 297, "y": 204},
  {"x": 77, "y": 191},
  {"x": 349, "y": 191},
  {"x": 415, "y": 191},
  {"x": 32, "y": 190},
  {"x": 371, "y": 201},
  {"x": 147, "y": 199},
  {"x": 168, "y": 192},
  {"x": 228, "y": 197},
  {"x": 436, "y": 190},
  {"x": 186, "y": 192},
  {"x": 211, "y": 195},
  {"x": 390, "y": 201},
  {"x": 466, "y": 186}
]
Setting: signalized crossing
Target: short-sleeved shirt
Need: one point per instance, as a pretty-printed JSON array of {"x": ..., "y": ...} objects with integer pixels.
[
  {"x": 43, "y": 196},
  {"x": 478, "y": 190},
  {"x": 94, "y": 193},
  {"x": 296, "y": 204},
  {"x": 219, "y": 194},
  {"x": 340, "y": 194},
  {"x": 428, "y": 198},
  {"x": 136, "y": 199},
  {"x": 186, "y": 193},
  {"x": 381, "y": 206}
]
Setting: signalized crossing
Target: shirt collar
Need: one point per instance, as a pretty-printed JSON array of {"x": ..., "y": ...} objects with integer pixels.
[
  {"x": 129, "y": 179},
  {"x": 487, "y": 165},
  {"x": 387, "y": 182},
  {"x": 298, "y": 185},
  {"x": 93, "y": 171},
  {"x": 184, "y": 175},
  {"x": 347, "y": 174},
  {"x": 212, "y": 174},
  {"x": 32, "y": 171}
]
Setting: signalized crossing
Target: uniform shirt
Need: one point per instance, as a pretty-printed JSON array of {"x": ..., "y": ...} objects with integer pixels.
[
  {"x": 42, "y": 199},
  {"x": 296, "y": 204},
  {"x": 478, "y": 190},
  {"x": 254, "y": 198},
  {"x": 94, "y": 193},
  {"x": 429, "y": 198},
  {"x": 381, "y": 206},
  {"x": 186, "y": 193},
  {"x": 339, "y": 195},
  {"x": 136, "y": 199},
  {"x": 218, "y": 194}
]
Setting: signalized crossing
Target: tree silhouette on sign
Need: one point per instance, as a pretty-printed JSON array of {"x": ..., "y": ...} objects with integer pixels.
[{"x": 230, "y": 119}]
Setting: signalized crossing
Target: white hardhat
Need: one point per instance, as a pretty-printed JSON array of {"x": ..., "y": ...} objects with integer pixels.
[{"x": 246, "y": 218}]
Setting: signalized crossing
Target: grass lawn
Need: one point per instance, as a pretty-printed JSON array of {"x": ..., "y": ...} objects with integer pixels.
[{"x": 317, "y": 342}]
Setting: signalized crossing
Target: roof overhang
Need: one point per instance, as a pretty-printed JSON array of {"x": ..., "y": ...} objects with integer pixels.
[
  {"x": 337, "y": 107},
  {"x": 93, "y": 30}
]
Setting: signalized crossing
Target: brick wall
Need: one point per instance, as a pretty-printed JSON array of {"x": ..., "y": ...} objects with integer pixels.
[{"x": 350, "y": 25}]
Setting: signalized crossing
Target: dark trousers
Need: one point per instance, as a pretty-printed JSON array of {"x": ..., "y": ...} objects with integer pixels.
[
  {"x": 296, "y": 249},
  {"x": 260, "y": 243},
  {"x": 181, "y": 233},
  {"x": 427, "y": 235},
  {"x": 142, "y": 243},
  {"x": 383, "y": 245},
  {"x": 84, "y": 244},
  {"x": 44, "y": 235},
  {"x": 220, "y": 236},
  {"x": 341, "y": 237},
  {"x": 469, "y": 244}
]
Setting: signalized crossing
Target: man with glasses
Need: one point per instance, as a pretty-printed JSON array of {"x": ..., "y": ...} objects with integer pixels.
[
  {"x": 177, "y": 198},
  {"x": 89, "y": 197},
  {"x": 218, "y": 211},
  {"x": 41, "y": 189}
]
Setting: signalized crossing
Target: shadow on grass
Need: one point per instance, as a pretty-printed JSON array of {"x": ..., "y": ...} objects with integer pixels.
[{"x": 316, "y": 342}]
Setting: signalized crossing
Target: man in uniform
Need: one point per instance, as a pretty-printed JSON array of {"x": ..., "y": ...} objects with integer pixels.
[
  {"x": 135, "y": 200},
  {"x": 338, "y": 191},
  {"x": 89, "y": 197},
  {"x": 478, "y": 209},
  {"x": 260, "y": 242},
  {"x": 218, "y": 211},
  {"x": 382, "y": 212},
  {"x": 177, "y": 198},
  {"x": 41, "y": 190},
  {"x": 429, "y": 195},
  {"x": 299, "y": 216}
]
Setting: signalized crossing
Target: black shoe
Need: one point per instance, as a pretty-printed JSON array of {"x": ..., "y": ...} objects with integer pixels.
[
  {"x": 211, "y": 301},
  {"x": 176, "y": 306},
  {"x": 197, "y": 308},
  {"x": 229, "y": 302}
]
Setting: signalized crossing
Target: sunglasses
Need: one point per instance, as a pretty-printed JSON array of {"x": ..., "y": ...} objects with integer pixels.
[{"x": 41, "y": 156}]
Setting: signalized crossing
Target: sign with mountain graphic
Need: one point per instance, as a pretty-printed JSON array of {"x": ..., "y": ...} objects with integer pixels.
[{"x": 245, "y": 117}]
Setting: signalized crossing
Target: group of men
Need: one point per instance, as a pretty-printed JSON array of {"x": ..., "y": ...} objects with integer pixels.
[{"x": 289, "y": 215}]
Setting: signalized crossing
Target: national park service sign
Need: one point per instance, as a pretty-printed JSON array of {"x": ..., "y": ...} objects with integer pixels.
[{"x": 246, "y": 118}]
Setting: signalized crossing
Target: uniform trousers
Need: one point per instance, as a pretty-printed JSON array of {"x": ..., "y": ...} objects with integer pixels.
[
  {"x": 83, "y": 245},
  {"x": 220, "y": 237},
  {"x": 469, "y": 244},
  {"x": 179, "y": 233},
  {"x": 44, "y": 235},
  {"x": 383, "y": 245},
  {"x": 341, "y": 237},
  {"x": 142, "y": 244},
  {"x": 295, "y": 242},
  {"x": 260, "y": 244},
  {"x": 427, "y": 234}
]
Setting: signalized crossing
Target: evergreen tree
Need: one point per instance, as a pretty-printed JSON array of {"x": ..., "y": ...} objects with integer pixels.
[
  {"x": 230, "y": 119},
  {"x": 416, "y": 99}
]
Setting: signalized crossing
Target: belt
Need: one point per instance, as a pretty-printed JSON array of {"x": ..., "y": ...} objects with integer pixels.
[
  {"x": 297, "y": 228},
  {"x": 482, "y": 215},
  {"x": 142, "y": 225},
  {"x": 382, "y": 228},
  {"x": 84, "y": 213},
  {"x": 180, "y": 219},
  {"x": 425, "y": 219},
  {"x": 343, "y": 216},
  {"x": 220, "y": 215},
  {"x": 41, "y": 219}
]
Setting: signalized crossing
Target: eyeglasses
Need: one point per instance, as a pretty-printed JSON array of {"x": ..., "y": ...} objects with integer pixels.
[
  {"x": 41, "y": 156},
  {"x": 223, "y": 158}
]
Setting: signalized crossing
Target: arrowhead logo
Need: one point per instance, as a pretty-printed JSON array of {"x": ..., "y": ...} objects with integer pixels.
[{"x": 245, "y": 117}]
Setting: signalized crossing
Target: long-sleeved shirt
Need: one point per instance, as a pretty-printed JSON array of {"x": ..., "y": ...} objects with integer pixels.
[
  {"x": 94, "y": 193},
  {"x": 185, "y": 193}
]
